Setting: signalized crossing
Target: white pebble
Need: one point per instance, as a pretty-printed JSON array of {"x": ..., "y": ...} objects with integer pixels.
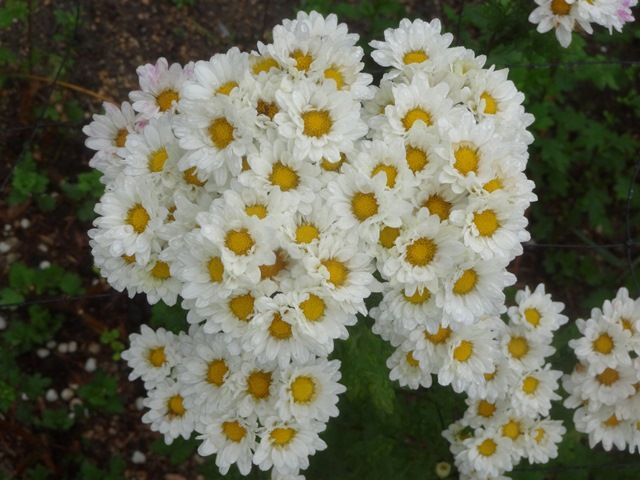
[
  {"x": 7, "y": 227},
  {"x": 138, "y": 457},
  {"x": 43, "y": 248},
  {"x": 94, "y": 348},
  {"x": 51, "y": 395},
  {"x": 42, "y": 353},
  {"x": 63, "y": 348},
  {"x": 25, "y": 223},
  {"x": 76, "y": 402},
  {"x": 4, "y": 247},
  {"x": 66, "y": 394},
  {"x": 51, "y": 344},
  {"x": 140, "y": 403},
  {"x": 90, "y": 365},
  {"x": 3, "y": 323},
  {"x": 44, "y": 264},
  {"x": 73, "y": 346},
  {"x": 73, "y": 386}
]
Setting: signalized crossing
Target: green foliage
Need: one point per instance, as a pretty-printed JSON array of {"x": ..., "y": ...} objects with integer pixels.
[
  {"x": 28, "y": 182},
  {"x": 84, "y": 192},
  {"x": 111, "y": 338},
  {"x": 101, "y": 394},
  {"x": 24, "y": 281},
  {"x": 173, "y": 318},
  {"x": 13, "y": 11},
  {"x": 178, "y": 452},
  {"x": 115, "y": 470}
]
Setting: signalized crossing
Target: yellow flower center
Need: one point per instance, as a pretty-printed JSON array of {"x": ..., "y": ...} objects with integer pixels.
[
  {"x": 518, "y": 347},
  {"x": 608, "y": 377},
  {"x": 242, "y": 306},
  {"x": 157, "y": 357},
  {"x": 157, "y": 160},
  {"x": 313, "y": 307},
  {"x": 338, "y": 271},
  {"x": 284, "y": 177},
  {"x": 303, "y": 389},
  {"x": 138, "y": 218},
  {"x": 530, "y": 385},
  {"x": 416, "y": 159},
  {"x": 466, "y": 282},
  {"x": 415, "y": 56},
  {"x": 264, "y": 65},
  {"x": 463, "y": 351},
  {"x": 364, "y": 205},
  {"x": 414, "y": 115},
  {"x": 166, "y": 98},
  {"x": 627, "y": 325},
  {"x": 279, "y": 328},
  {"x": 612, "y": 421},
  {"x": 256, "y": 210},
  {"x": 441, "y": 336},
  {"x": 421, "y": 252},
  {"x": 282, "y": 436},
  {"x": 221, "y": 133},
  {"x": 129, "y": 259},
  {"x": 539, "y": 435},
  {"x": 560, "y": 7},
  {"x": 303, "y": 60},
  {"x": 333, "y": 166},
  {"x": 216, "y": 371},
  {"x": 390, "y": 171},
  {"x": 486, "y": 409},
  {"x": 267, "y": 108},
  {"x": 418, "y": 297},
  {"x": 493, "y": 185},
  {"x": 490, "y": 104},
  {"x": 486, "y": 222},
  {"x": 175, "y": 406},
  {"x": 191, "y": 178},
  {"x": 258, "y": 384},
  {"x": 438, "y": 206},
  {"x": 317, "y": 123},
  {"x": 216, "y": 269},
  {"x": 234, "y": 431},
  {"x": 161, "y": 270},
  {"x": 411, "y": 360},
  {"x": 121, "y": 137},
  {"x": 270, "y": 271},
  {"x": 226, "y": 88},
  {"x": 487, "y": 448},
  {"x": 333, "y": 73},
  {"x": 603, "y": 344},
  {"x": 532, "y": 315},
  {"x": 239, "y": 242},
  {"x": 511, "y": 430},
  {"x": 490, "y": 376},
  {"x": 467, "y": 160},
  {"x": 388, "y": 236},
  {"x": 306, "y": 233}
]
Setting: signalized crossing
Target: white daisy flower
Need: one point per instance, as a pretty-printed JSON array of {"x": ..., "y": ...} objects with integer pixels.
[
  {"x": 256, "y": 386},
  {"x": 326, "y": 28},
  {"x": 603, "y": 426},
  {"x": 411, "y": 311},
  {"x": 160, "y": 86},
  {"x": 108, "y": 133},
  {"x": 561, "y": 15},
  {"x": 343, "y": 67},
  {"x": 321, "y": 121},
  {"x": 537, "y": 312},
  {"x": 286, "y": 446},
  {"x": 386, "y": 159},
  {"x": 158, "y": 282},
  {"x": 233, "y": 439},
  {"x": 167, "y": 412},
  {"x": 487, "y": 453},
  {"x": 122, "y": 272},
  {"x": 497, "y": 383},
  {"x": 543, "y": 437},
  {"x": 151, "y": 355},
  {"x": 310, "y": 391},
  {"x": 602, "y": 344},
  {"x": 525, "y": 350},
  {"x": 130, "y": 215},
  {"x": 535, "y": 391},
  {"x": 610, "y": 386},
  {"x": 405, "y": 369}
]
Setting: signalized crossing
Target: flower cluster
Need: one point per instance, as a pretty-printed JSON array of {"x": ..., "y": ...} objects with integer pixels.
[
  {"x": 566, "y": 16},
  {"x": 220, "y": 180},
  {"x": 440, "y": 193},
  {"x": 507, "y": 418},
  {"x": 604, "y": 385}
]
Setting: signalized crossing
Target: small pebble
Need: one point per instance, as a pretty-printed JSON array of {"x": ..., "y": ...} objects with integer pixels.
[
  {"x": 138, "y": 457},
  {"x": 66, "y": 394},
  {"x": 73, "y": 386},
  {"x": 51, "y": 344},
  {"x": 25, "y": 223},
  {"x": 44, "y": 265},
  {"x": 7, "y": 227},
  {"x": 43, "y": 248},
  {"x": 140, "y": 403},
  {"x": 63, "y": 348},
  {"x": 51, "y": 395},
  {"x": 3, "y": 323},
  {"x": 42, "y": 353},
  {"x": 76, "y": 402},
  {"x": 73, "y": 346},
  {"x": 90, "y": 365},
  {"x": 94, "y": 348},
  {"x": 4, "y": 247}
]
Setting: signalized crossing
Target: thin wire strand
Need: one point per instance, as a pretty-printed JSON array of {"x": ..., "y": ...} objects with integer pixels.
[{"x": 64, "y": 298}]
